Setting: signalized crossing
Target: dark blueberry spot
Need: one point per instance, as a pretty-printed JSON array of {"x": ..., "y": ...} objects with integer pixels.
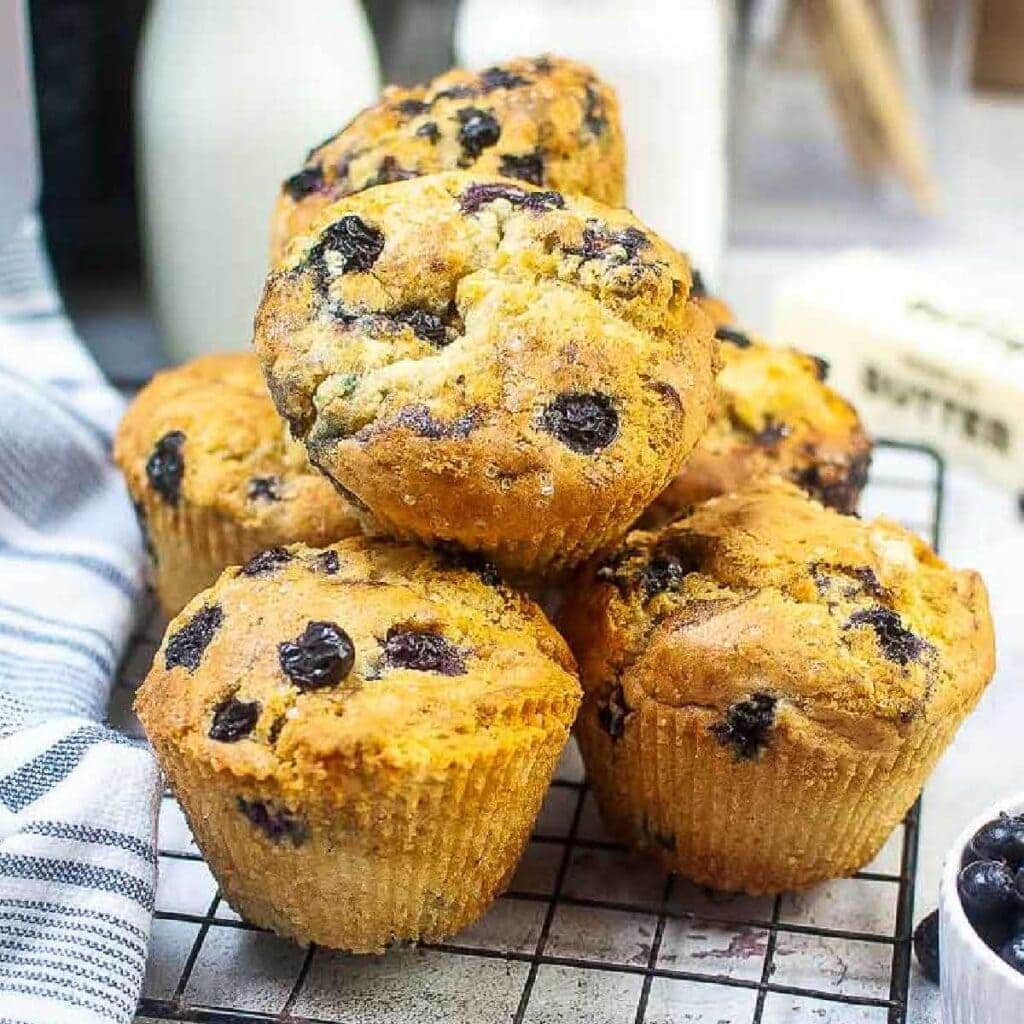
[
  {"x": 598, "y": 242},
  {"x": 612, "y": 713},
  {"x": 429, "y": 130},
  {"x": 863, "y": 578},
  {"x": 926, "y": 945},
  {"x": 412, "y": 107},
  {"x": 1001, "y": 839},
  {"x": 234, "y": 719},
  {"x": 304, "y": 183},
  {"x": 420, "y": 420},
  {"x": 477, "y": 196},
  {"x": 1012, "y": 952},
  {"x": 389, "y": 171},
  {"x": 747, "y": 726},
  {"x": 454, "y": 557},
  {"x": 479, "y": 130},
  {"x": 897, "y": 642},
  {"x": 347, "y": 245},
  {"x": 275, "y": 729},
  {"x": 140, "y": 518},
  {"x": 328, "y": 562},
  {"x": 698, "y": 289},
  {"x": 455, "y": 92},
  {"x": 734, "y": 337},
  {"x": 668, "y": 392},
  {"x": 837, "y": 487},
  {"x": 322, "y": 655},
  {"x": 266, "y": 562},
  {"x": 821, "y": 367},
  {"x": 186, "y": 647},
  {"x": 166, "y": 466},
  {"x": 542, "y": 65},
  {"x": 868, "y": 580},
  {"x": 986, "y": 890},
  {"x": 525, "y": 166},
  {"x": 663, "y": 572},
  {"x": 423, "y": 651},
  {"x": 771, "y": 433},
  {"x": 500, "y": 78},
  {"x": 265, "y": 488},
  {"x": 585, "y": 422},
  {"x": 683, "y": 553},
  {"x": 425, "y": 325},
  {"x": 277, "y": 824},
  {"x": 595, "y": 120}
]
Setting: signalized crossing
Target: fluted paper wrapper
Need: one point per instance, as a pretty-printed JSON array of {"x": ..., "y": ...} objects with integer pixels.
[
  {"x": 416, "y": 859},
  {"x": 803, "y": 812},
  {"x": 191, "y": 548}
]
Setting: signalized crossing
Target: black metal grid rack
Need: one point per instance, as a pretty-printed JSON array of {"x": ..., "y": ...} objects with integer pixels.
[{"x": 582, "y": 934}]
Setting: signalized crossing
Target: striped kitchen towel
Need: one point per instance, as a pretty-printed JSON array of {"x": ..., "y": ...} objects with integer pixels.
[{"x": 77, "y": 799}]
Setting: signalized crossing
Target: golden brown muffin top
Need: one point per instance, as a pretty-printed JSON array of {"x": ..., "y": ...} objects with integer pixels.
[
  {"x": 546, "y": 121},
  {"x": 206, "y": 435},
  {"x": 769, "y": 607},
  {"x": 470, "y": 329},
  {"x": 774, "y": 415},
  {"x": 311, "y": 666}
]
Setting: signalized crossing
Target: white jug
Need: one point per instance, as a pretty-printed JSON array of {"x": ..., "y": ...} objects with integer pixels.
[{"x": 230, "y": 95}]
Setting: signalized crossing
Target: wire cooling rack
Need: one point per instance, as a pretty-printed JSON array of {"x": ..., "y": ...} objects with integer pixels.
[{"x": 586, "y": 932}]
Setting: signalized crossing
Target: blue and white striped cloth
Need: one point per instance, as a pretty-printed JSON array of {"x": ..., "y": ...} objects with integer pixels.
[{"x": 77, "y": 800}]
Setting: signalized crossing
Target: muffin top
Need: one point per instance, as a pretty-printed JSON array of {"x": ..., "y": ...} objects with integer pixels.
[
  {"x": 546, "y": 121},
  {"x": 359, "y": 658},
  {"x": 206, "y": 435},
  {"x": 530, "y": 348},
  {"x": 776, "y": 611},
  {"x": 774, "y": 415}
]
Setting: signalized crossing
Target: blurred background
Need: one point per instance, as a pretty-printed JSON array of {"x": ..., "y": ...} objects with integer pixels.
[{"x": 754, "y": 120}]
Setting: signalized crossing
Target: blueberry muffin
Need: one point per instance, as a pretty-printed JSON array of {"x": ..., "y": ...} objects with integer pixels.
[
  {"x": 489, "y": 365},
  {"x": 361, "y": 737},
  {"x": 768, "y": 683},
  {"x": 775, "y": 416},
  {"x": 215, "y": 477},
  {"x": 549, "y": 122}
]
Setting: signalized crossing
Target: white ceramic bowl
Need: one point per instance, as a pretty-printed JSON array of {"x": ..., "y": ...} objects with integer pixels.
[{"x": 977, "y": 987}]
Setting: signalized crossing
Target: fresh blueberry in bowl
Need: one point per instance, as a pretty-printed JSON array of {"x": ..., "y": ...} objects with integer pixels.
[
  {"x": 987, "y": 890},
  {"x": 1000, "y": 839},
  {"x": 981, "y": 921}
]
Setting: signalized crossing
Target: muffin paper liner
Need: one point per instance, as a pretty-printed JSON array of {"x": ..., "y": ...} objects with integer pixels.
[
  {"x": 803, "y": 812},
  {"x": 415, "y": 854},
  {"x": 192, "y": 547}
]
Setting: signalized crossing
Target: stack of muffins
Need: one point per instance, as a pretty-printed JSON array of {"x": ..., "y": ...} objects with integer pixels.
[{"x": 477, "y": 378}]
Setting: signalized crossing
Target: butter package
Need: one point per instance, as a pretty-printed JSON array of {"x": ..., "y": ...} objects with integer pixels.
[{"x": 918, "y": 359}]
